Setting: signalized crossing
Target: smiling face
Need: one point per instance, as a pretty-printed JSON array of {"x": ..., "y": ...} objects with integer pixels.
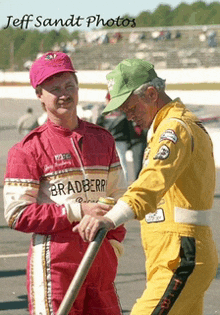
[
  {"x": 141, "y": 110},
  {"x": 59, "y": 94}
]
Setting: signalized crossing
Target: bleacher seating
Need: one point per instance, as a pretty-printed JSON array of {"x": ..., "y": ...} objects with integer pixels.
[{"x": 189, "y": 50}]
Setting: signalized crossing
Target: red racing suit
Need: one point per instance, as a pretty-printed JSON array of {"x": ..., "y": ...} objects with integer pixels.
[{"x": 49, "y": 173}]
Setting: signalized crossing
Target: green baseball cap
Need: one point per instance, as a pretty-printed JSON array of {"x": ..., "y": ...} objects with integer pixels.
[{"x": 127, "y": 76}]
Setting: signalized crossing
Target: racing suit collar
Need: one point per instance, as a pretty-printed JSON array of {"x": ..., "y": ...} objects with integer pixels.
[
  {"x": 161, "y": 114},
  {"x": 78, "y": 132}
]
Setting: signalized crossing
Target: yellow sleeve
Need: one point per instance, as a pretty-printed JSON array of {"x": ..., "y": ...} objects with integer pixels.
[{"x": 169, "y": 152}]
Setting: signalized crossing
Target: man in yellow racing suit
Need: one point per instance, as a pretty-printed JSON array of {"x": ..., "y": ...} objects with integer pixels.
[{"x": 172, "y": 197}]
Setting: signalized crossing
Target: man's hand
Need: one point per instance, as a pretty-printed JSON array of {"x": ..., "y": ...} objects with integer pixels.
[
  {"x": 94, "y": 209},
  {"x": 90, "y": 225}
]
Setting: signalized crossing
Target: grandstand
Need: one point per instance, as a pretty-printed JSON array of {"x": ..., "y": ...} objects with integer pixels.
[{"x": 165, "y": 47}]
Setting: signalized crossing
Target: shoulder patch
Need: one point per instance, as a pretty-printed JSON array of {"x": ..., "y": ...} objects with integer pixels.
[
  {"x": 169, "y": 135},
  {"x": 163, "y": 153}
]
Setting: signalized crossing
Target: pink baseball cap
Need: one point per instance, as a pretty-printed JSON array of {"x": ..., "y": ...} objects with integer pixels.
[{"x": 49, "y": 64}]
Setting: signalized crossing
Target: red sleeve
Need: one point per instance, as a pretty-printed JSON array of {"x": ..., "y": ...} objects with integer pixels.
[
  {"x": 21, "y": 187},
  {"x": 118, "y": 234}
]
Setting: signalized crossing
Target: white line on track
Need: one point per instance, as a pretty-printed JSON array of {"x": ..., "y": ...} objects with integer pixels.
[{"x": 14, "y": 255}]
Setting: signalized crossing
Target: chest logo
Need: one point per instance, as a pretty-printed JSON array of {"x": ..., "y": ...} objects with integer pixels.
[{"x": 63, "y": 157}]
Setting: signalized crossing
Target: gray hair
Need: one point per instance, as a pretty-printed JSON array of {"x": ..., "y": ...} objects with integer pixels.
[{"x": 158, "y": 83}]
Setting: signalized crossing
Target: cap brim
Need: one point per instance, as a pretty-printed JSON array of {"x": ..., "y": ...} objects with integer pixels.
[{"x": 116, "y": 102}]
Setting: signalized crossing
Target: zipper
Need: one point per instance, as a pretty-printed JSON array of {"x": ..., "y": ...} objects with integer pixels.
[{"x": 81, "y": 165}]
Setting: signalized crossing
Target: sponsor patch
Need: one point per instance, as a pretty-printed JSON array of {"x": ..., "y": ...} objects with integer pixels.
[
  {"x": 154, "y": 217},
  {"x": 169, "y": 135},
  {"x": 163, "y": 153},
  {"x": 78, "y": 186},
  {"x": 63, "y": 157}
]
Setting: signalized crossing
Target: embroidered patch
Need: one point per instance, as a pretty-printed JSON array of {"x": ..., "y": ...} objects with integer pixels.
[
  {"x": 50, "y": 56},
  {"x": 163, "y": 153},
  {"x": 63, "y": 157},
  {"x": 154, "y": 217},
  {"x": 170, "y": 135}
]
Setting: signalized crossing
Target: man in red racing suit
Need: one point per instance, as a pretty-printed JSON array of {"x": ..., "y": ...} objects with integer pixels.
[{"x": 54, "y": 176}]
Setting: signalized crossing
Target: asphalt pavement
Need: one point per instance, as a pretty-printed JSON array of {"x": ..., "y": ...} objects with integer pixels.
[{"x": 130, "y": 281}]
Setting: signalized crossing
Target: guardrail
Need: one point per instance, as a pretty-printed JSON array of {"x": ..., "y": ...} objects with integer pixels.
[{"x": 172, "y": 76}]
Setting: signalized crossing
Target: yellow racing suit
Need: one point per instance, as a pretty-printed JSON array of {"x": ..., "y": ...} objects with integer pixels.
[{"x": 172, "y": 198}]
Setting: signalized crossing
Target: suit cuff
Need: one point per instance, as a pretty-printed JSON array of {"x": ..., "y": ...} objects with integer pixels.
[
  {"x": 120, "y": 213},
  {"x": 73, "y": 210}
]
